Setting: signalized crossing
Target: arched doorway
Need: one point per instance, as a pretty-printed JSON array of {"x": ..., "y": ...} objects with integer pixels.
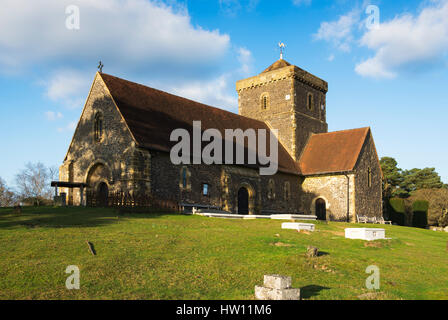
[
  {"x": 97, "y": 188},
  {"x": 321, "y": 209},
  {"x": 102, "y": 194},
  {"x": 243, "y": 201}
]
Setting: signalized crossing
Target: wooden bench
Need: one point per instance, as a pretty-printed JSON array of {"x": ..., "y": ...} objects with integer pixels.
[
  {"x": 382, "y": 221},
  {"x": 361, "y": 219},
  {"x": 192, "y": 208},
  {"x": 374, "y": 220}
]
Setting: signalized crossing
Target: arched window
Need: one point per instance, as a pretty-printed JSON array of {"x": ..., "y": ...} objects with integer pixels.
[
  {"x": 184, "y": 177},
  {"x": 98, "y": 128},
  {"x": 184, "y": 182},
  {"x": 264, "y": 101},
  {"x": 310, "y": 101}
]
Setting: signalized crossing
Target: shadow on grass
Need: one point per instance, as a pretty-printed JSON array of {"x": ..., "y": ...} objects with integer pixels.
[
  {"x": 67, "y": 217},
  {"x": 311, "y": 291}
]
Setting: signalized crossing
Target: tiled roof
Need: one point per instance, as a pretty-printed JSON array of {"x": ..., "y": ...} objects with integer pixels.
[
  {"x": 332, "y": 152},
  {"x": 152, "y": 115}
]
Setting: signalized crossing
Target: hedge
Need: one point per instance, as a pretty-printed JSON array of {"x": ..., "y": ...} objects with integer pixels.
[
  {"x": 397, "y": 211},
  {"x": 420, "y": 213}
]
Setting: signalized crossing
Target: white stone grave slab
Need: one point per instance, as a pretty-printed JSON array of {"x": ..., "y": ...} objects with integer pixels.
[
  {"x": 368, "y": 234},
  {"x": 298, "y": 226},
  {"x": 293, "y": 217}
]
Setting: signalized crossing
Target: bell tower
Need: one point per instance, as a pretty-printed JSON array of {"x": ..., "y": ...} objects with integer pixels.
[{"x": 288, "y": 99}]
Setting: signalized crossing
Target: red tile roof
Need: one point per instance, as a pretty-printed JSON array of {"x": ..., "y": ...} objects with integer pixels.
[
  {"x": 332, "y": 152},
  {"x": 152, "y": 115}
]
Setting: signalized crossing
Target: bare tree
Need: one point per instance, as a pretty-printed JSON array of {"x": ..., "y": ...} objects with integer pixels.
[
  {"x": 53, "y": 172},
  {"x": 34, "y": 181},
  {"x": 7, "y": 197}
]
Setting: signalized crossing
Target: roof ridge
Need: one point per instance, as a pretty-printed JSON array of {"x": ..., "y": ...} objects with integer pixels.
[
  {"x": 344, "y": 130},
  {"x": 183, "y": 98}
]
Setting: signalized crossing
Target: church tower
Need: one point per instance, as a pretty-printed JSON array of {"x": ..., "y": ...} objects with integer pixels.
[{"x": 288, "y": 99}]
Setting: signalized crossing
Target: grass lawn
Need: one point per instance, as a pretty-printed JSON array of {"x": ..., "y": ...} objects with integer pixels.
[{"x": 150, "y": 256}]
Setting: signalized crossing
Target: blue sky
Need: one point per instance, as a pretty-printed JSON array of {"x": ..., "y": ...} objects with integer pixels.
[{"x": 391, "y": 77}]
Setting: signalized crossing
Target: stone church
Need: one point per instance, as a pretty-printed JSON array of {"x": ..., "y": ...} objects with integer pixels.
[{"x": 122, "y": 143}]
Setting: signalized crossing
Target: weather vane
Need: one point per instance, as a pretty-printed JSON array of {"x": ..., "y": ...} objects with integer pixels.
[
  {"x": 282, "y": 47},
  {"x": 100, "y": 66}
]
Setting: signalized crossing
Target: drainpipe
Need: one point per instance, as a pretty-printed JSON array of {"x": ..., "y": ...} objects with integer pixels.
[{"x": 348, "y": 197}]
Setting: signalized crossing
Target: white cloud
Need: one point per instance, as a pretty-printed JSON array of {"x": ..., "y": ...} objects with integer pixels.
[
  {"x": 331, "y": 57},
  {"x": 142, "y": 39},
  {"x": 68, "y": 87},
  {"x": 406, "y": 41},
  {"x": 112, "y": 30},
  {"x": 214, "y": 92},
  {"x": 218, "y": 92},
  {"x": 375, "y": 68},
  {"x": 52, "y": 115},
  {"x": 133, "y": 38},
  {"x": 339, "y": 32},
  {"x": 245, "y": 59}
]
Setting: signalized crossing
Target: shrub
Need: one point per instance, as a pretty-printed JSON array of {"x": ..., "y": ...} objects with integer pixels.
[
  {"x": 438, "y": 203},
  {"x": 420, "y": 213},
  {"x": 37, "y": 202},
  {"x": 397, "y": 211}
]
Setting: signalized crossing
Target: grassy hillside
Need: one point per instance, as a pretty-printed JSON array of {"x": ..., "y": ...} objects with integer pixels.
[{"x": 143, "y": 256}]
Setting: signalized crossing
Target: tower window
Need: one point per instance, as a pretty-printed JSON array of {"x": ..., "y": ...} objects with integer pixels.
[
  {"x": 322, "y": 108},
  {"x": 264, "y": 101},
  {"x": 310, "y": 101},
  {"x": 205, "y": 189},
  {"x": 98, "y": 128}
]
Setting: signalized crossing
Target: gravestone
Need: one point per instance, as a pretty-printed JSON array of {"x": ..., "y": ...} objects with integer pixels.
[
  {"x": 277, "y": 287},
  {"x": 298, "y": 226},
  {"x": 368, "y": 234},
  {"x": 312, "y": 252}
]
